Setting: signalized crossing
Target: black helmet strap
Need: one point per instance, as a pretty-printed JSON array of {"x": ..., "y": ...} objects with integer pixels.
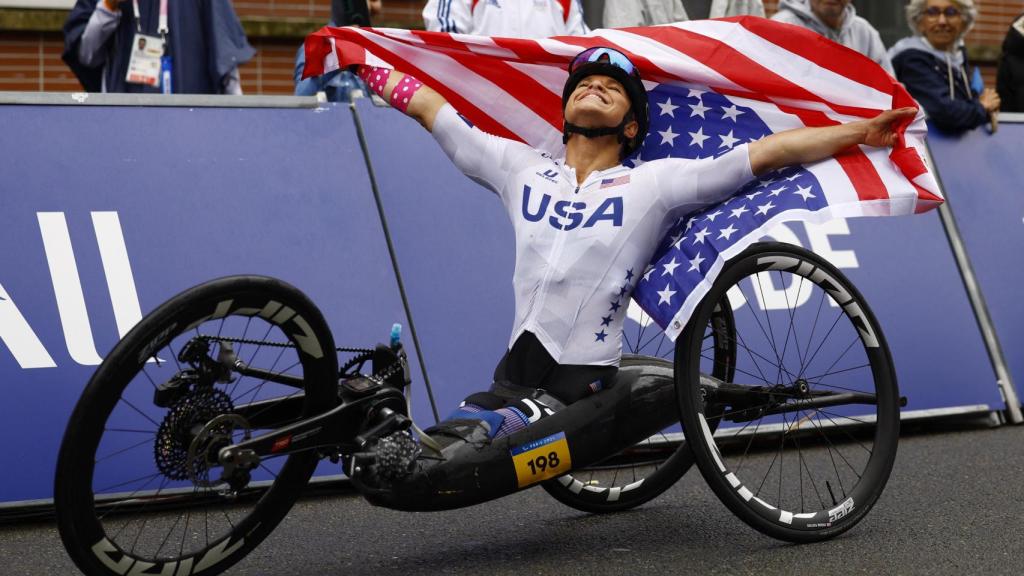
[{"x": 620, "y": 130}]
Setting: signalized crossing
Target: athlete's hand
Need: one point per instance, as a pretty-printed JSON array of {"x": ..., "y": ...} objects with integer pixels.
[{"x": 881, "y": 131}]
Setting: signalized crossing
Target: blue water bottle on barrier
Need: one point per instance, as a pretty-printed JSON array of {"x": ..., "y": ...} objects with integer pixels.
[{"x": 396, "y": 336}]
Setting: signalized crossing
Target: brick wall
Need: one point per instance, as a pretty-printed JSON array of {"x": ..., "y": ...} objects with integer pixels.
[{"x": 30, "y": 61}]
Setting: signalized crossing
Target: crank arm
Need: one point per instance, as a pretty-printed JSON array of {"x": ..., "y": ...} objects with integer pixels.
[{"x": 337, "y": 427}]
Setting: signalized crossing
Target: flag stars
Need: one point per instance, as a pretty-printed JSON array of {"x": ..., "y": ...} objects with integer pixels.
[
  {"x": 732, "y": 113},
  {"x": 668, "y": 136},
  {"x": 614, "y": 306},
  {"x": 794, "y": 176},
  {"x": 697, "y": 138},
  {"x": 696, "y": 262},
  {"x": 674, "y": 241},
  {"x": 711, "y": 217},
  {"x": 665, "y": 296},
  {"x": 754, "y": 195},
  {"x": 698, "y": 109},
  {"x": 670, "y": 268},
  {"x": 600, "y": 336},
  {"x": 694, "y": 93},
  {"x": 606, "y": 320},
  {"x": 629, "y": 275},
  {"x": 804, "y": 192},
  {"x": 764, "y": 208},
  {"x": 699, "y": 236},
  {"x": 648, "y": 271},
  {"x": 728, "y": 140},
  {"x": 777, "y": 191},
  {"x": 737, "y": 212},
  {"x": 668, "y": 108},
  {"x": 727, "y": 232}
]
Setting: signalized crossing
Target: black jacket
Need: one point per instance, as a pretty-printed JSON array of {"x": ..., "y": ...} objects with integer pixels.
[
  {"x": 1010, "y": 81},
  {"x": 927, "y": 79}
]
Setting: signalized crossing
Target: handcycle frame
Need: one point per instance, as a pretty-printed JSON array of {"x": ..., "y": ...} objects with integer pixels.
[
  {"x": 343, "y": 414},
  {"x": 598, "y": 427}
]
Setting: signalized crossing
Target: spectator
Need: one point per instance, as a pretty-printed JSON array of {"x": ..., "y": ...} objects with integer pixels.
[
  {"x": 510, "y": 18},
  {"x": 339, "y": 85},
  {"x": 199, "y": 53},
  {"x": 836, "y": 20},
  {"x": 932, "y": 64},
  {"x": 624, "y": 13},
  {"x": 1010, "y": 81}
]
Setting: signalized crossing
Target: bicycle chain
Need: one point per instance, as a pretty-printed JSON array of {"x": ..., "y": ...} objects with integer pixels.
[{"x": 363, "y": 354}]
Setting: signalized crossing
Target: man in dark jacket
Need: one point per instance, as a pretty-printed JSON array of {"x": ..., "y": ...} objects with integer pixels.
[
  {"x": 1010, "y": 81},
  {"x": 195, "y": 48}
]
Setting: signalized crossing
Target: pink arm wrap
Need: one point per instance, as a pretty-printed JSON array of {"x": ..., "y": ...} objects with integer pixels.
[{"x": 377, "y": 78}]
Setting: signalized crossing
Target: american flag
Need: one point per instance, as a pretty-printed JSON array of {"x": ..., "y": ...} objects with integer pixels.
[{"x": 712, "y": 85}]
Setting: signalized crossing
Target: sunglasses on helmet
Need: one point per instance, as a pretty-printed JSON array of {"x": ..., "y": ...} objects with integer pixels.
[{"x": 603, "y": 56}]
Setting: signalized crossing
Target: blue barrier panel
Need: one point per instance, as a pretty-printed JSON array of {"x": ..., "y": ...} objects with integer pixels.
[
  {"x": 182, "y": 195},
  {"x": 983, "y": 174},
  {"x": 455, "y": 247}
]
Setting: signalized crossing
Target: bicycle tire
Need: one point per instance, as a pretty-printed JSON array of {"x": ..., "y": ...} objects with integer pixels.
[
  {"x": 834, "y": 478},
  {"x": 112, "y": 527},
  {"x": 606, "y": 487}
]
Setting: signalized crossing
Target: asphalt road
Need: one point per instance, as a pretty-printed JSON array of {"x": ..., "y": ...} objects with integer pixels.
[{"x": 952, "y": 506}]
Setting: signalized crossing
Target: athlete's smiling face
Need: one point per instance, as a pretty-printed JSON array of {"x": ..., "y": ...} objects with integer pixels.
[{"x": 597, "y": 101}]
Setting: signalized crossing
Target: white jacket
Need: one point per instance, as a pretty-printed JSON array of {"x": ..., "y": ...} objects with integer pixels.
[
  {"x": 623, "y": 13},
  {"x": 509, "y": 18}
]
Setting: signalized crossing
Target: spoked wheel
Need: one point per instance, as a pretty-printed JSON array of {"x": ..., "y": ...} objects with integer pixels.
[
  {"x": 645, "y": 470},
  {"x": 139, "y": 488},
  {"x": 807, "y": 430}
]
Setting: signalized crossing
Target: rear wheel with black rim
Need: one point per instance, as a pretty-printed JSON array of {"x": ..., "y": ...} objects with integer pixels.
[
  {"x": 139, "y": 486},
  {"x": 801, "y": 442}
]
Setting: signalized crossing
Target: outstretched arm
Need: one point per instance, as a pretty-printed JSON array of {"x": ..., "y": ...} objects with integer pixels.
[
  {"x": 404, "y": 93},
  {"x": 804, "y": 145}
]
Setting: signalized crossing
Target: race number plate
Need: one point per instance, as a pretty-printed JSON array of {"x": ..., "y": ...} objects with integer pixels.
[{"x": 541, "y": 459}]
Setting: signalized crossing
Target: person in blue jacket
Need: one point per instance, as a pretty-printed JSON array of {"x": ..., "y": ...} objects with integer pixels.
[{"x": 933, "y": 66}]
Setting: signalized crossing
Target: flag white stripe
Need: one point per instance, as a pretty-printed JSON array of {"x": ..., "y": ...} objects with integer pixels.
[
  {"x": 822, "y": 82},
  {"x": 547, "y": 76},
  {"x": 670, "y": 60},
  {"x": 490, "y": 98},
  {"x": 840, "y": 189},
  {"x": 902, "y": 195}
]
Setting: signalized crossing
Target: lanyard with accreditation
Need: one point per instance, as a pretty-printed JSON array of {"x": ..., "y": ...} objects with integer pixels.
[{"x": 150, "y": 64}]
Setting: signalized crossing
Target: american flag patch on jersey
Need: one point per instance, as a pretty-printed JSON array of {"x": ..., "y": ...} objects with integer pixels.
[{"x": 609, "y": 182}]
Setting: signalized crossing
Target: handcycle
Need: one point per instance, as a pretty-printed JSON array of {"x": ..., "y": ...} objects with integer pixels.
[{"x": 201, "y": 427}]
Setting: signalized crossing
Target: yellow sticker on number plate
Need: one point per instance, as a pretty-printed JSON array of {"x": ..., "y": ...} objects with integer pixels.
[{"x": 541, "y": 459}]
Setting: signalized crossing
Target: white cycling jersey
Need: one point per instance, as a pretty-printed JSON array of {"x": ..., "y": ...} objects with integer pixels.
[{"x": 581, "y": 249}]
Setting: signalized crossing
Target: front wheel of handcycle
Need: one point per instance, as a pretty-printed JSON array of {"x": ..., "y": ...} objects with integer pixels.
[
  {"x": 800, "y": 444},
  {"x": 139, "y": 487}
]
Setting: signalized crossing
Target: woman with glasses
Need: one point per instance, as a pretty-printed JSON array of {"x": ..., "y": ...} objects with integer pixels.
[{"x": 933, "y": 65}]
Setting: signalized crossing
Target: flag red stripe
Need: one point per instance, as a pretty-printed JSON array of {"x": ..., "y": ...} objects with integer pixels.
[
  {"x": 742, "y": 70},
  {"x": 477, "y": 116},
  {"x": 854, "y": 162},
  {"x": 823, "y": 52},
  {"x": 522, "y": 87}
]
